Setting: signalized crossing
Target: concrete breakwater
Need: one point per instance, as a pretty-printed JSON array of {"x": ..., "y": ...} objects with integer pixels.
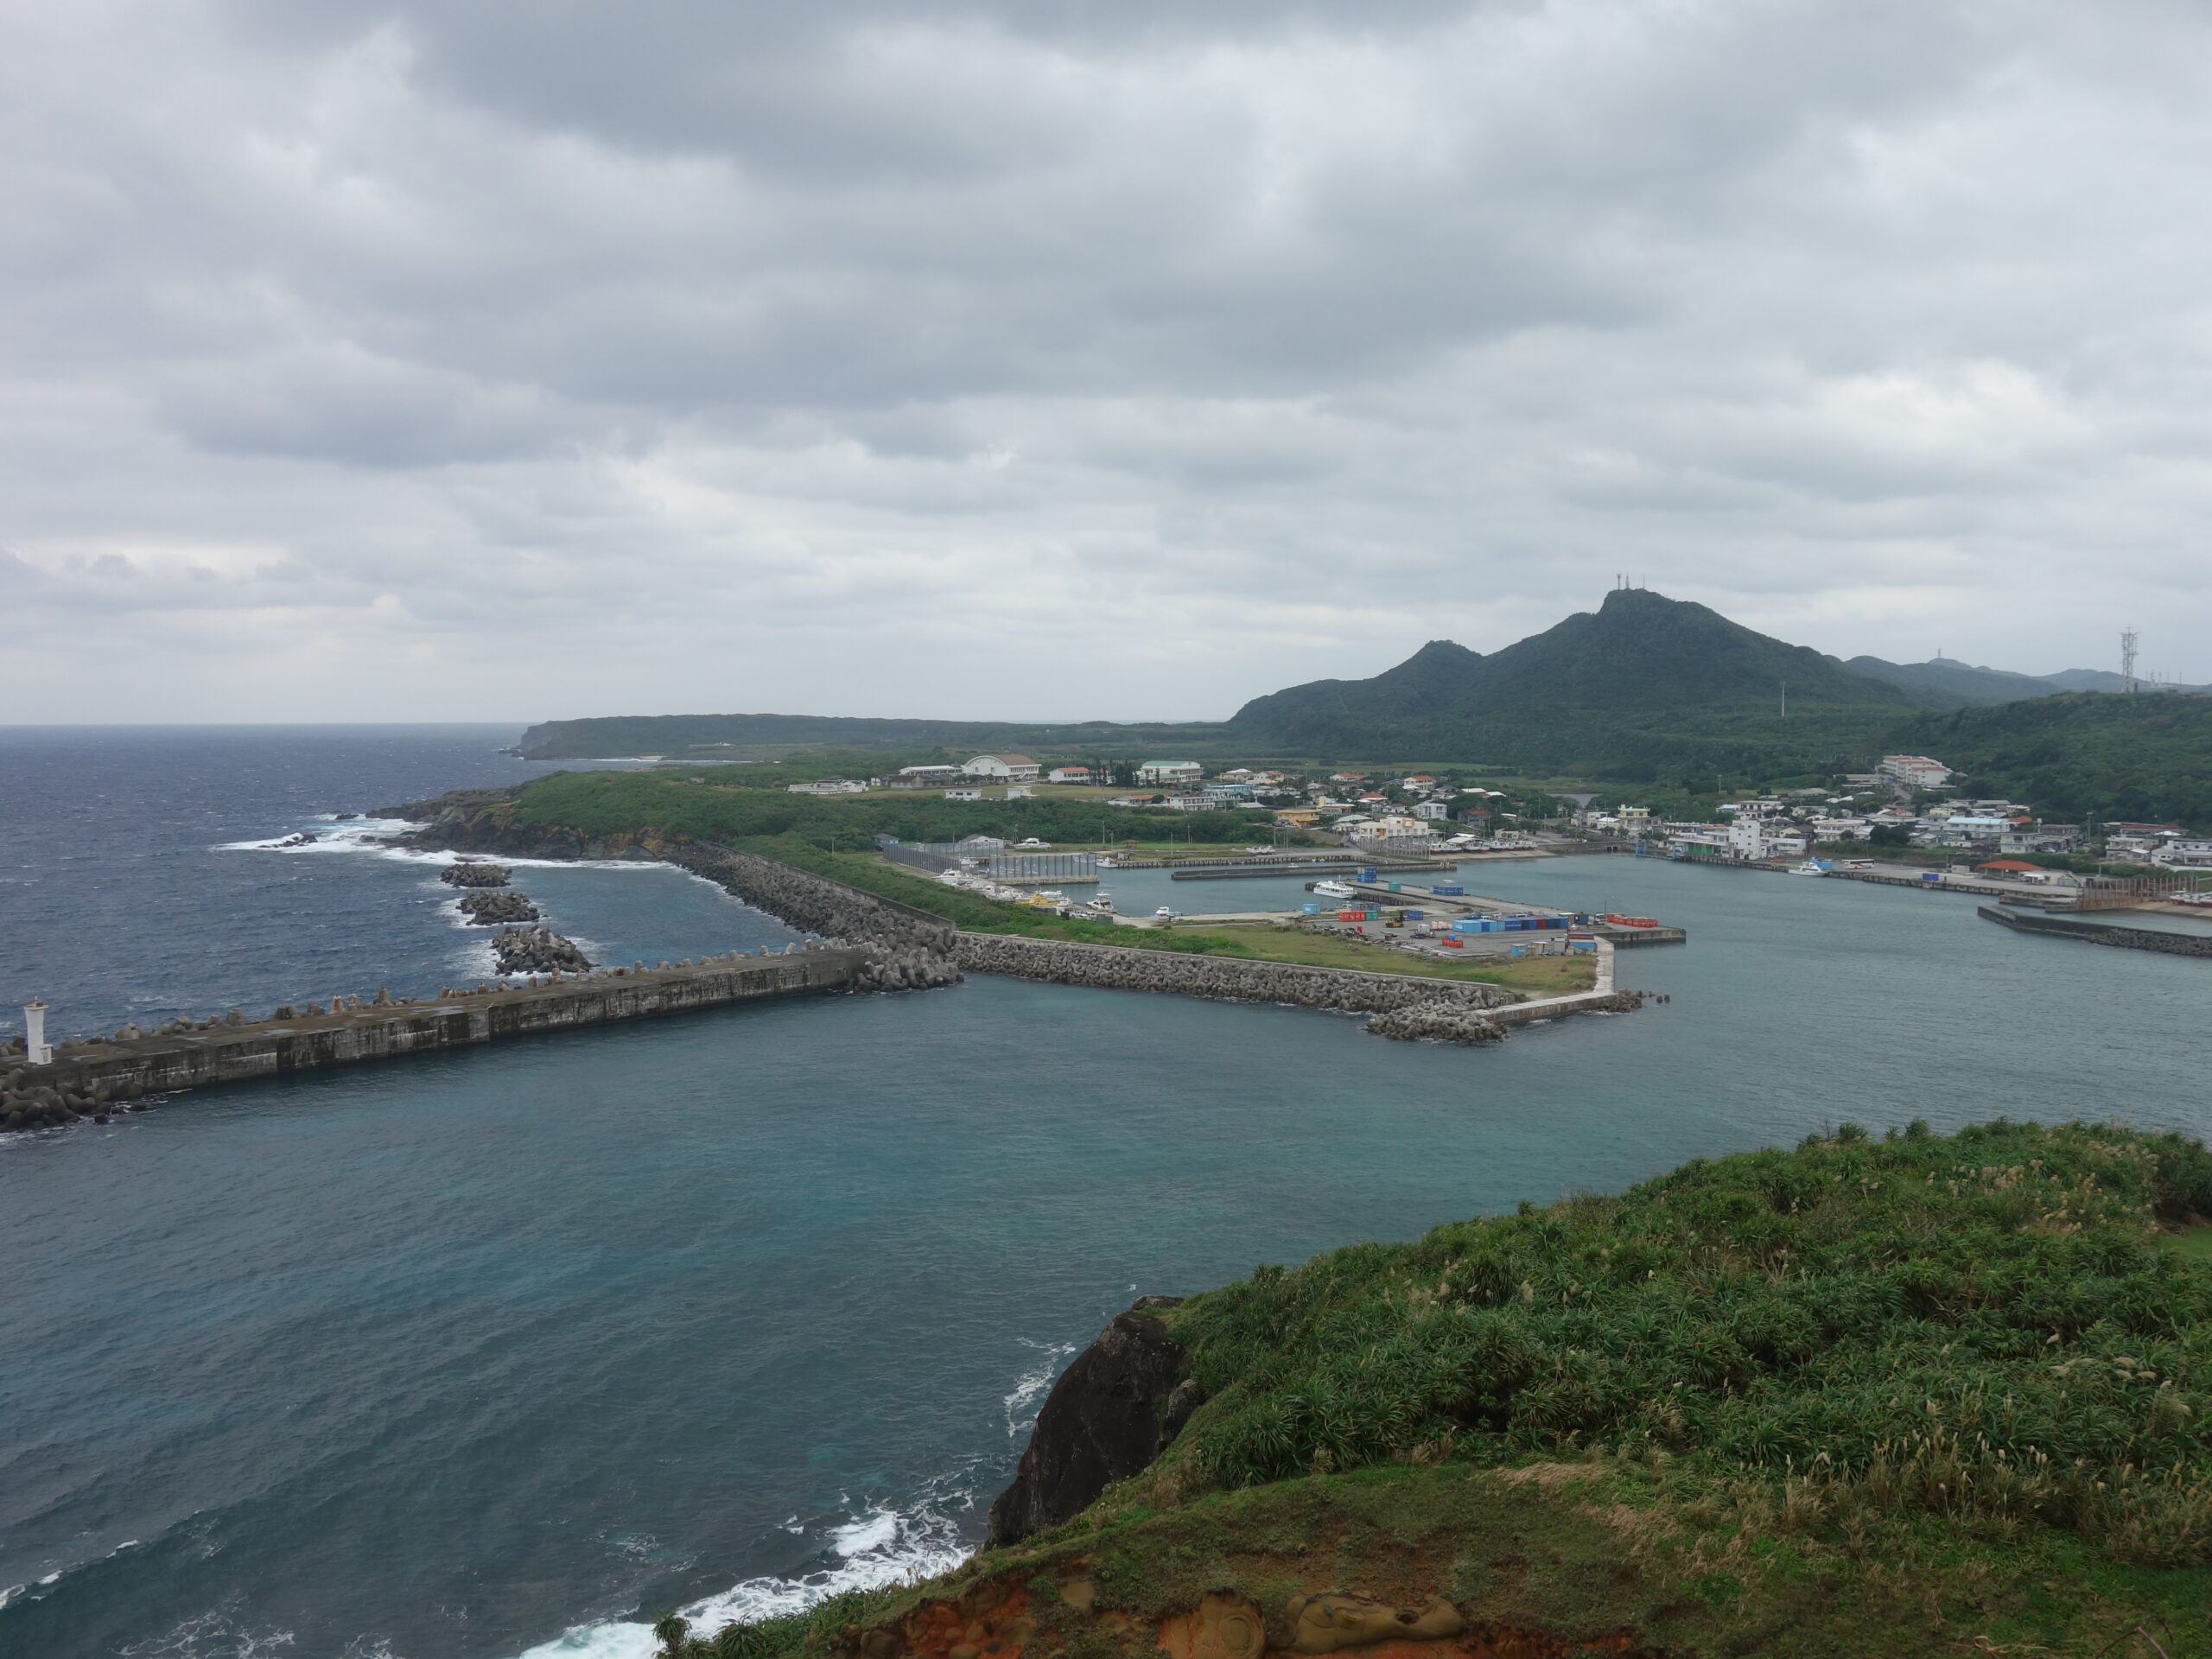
[
  {"x": 1233, "y": 978},
  {"x": 2074, "y": 927},
  {"x": 84, "y": 1080},
  {"x": 910, "y": 949}
]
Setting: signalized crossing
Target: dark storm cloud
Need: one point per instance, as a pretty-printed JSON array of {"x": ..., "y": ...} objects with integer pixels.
[{"x": 1071, "y": 360}]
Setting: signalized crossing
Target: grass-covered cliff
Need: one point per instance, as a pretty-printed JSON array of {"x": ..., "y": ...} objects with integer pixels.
[{"x": 1917, "y": 1394}]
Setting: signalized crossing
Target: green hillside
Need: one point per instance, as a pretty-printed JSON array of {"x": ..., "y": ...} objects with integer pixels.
[
  {"x": 1942, "y": 683},
  {"x": 2083, "y": 754},
  {"x": 1645, "y": 688},
  {"x": 1922, "y": 1395}
]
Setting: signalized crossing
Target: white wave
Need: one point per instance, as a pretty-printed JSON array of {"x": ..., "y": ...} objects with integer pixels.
[
  {"x": 214, "y": 1635},
  {"x": 875, "y": 1551},
  {"x": 1032, "y": 1385}
]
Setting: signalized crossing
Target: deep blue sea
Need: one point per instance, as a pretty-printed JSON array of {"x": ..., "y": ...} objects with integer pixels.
[{"x": 485, "y": 1354}]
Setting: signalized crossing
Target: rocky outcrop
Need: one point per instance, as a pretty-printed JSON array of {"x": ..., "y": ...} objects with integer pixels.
[
  {"x": 1237, "y": 979},
  {"x": 537, "y": 951},
  {"x": 489, "y": 909},
  {"x": 1108, "y": 1417},
  {"x": 472, "y": 873}
]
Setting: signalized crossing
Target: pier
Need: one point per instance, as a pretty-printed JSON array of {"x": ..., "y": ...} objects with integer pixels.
[{"x": 98, "y": 1074}]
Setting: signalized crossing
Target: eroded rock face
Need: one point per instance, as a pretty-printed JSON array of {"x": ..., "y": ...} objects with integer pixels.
[{"x": 1108, "y": 1417}]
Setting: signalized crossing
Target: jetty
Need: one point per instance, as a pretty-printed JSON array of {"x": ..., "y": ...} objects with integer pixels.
[
  {"x": 87, "y": 1078},
  {"x": 2101, "y": 932}
]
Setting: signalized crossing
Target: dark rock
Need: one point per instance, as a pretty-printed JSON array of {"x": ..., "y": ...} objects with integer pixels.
[
  {"x": 476, "y": 875},
  {"x": 535, "y": 950},
  {"x": 1106, "y": 1419},
  {"x": 486, "y": 908}
]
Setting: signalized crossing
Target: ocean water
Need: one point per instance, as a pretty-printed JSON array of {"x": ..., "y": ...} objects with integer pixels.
[{"x": 506, "y": 1353}]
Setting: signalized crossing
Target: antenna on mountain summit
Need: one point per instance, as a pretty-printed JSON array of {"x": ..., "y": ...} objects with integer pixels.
[{"x": 2127, "y": 659}]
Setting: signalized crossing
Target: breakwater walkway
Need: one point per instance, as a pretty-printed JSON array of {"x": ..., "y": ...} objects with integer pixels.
[
  {"x": 2099, "y": 933},
  {"x": 86, "y": 1078}
]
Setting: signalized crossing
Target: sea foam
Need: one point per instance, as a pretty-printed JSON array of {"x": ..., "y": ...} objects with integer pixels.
[{"x": 875, "y": 1550}]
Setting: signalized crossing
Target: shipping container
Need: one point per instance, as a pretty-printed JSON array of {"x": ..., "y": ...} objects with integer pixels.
[
  {"x": 1449, "y": 890},
  {"x": 1450, "y": 944}
]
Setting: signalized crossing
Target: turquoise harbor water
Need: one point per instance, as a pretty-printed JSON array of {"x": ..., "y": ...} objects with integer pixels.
[{"x": 492, "y": 1353}]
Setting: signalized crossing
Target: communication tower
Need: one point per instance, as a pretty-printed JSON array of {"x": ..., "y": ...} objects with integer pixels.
[{"x": 2127, "y": 659}]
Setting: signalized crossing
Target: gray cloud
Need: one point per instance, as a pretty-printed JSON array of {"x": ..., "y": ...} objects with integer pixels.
[{"x": 1057, "y": 359}]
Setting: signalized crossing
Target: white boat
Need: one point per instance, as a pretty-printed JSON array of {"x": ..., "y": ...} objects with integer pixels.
[
  {"x": 1101, "y": 903},
  {"x": 1164, "y": 914},
  {"x": 1810, "y": 867},
  {"x": 1259, "y": 849},
  {"x": 1334, "y": 889}
]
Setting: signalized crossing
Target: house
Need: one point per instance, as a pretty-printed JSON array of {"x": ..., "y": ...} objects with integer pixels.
[
  {"x": 1002, "y": 768},
  {"x": 1297, "y": 818},
  {"x": 1916, "y": 771},
  {"x": 1228, "y": 794},
  {"x": 1474, "y": 815},
  {"x": 1347, "y": 777},
  {"x": 1635, "y": 819},
  {"x": 1431, "y": 811},
  {"x": 1177, "y": 773},
  {"x": 1419, "y": 780},
  {"x": 2184, "y": 855},
  {"x": 963, "y": 794},
  {"x": 1206, "y": 803},
  {"x": 1067, "y": 775},
  {"x": 2040, "y": 838},
  {"x": 1018, "y": 791},
  {"x": 923, "y": 776}
]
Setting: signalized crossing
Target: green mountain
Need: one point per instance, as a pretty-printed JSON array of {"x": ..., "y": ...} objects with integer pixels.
[
  {"x": 1645, "y": 684},
  {"x": 2083, "y": 753}
]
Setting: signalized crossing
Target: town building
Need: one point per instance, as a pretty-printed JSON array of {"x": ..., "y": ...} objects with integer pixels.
[
  {"x": 963, "y": 794},
  {"x": 923, "y": 776},
  {"x": 1002, "y": 768},
  {"x": 2040, "y": 838},
  {"x": 1177, "y": 773},
  {"x": 1067, "y": 775},
  {"x": 1916, "y": 771},
  {"x": 827, "y": 786},
  {"x": 1432, "y": 811}
]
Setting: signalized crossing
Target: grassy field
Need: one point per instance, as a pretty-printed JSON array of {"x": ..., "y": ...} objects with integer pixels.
[{"x": 1865, "y": 1398}]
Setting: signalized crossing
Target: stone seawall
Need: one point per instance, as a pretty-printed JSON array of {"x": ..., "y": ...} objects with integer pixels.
[
  {"x": 1233, "y": 978},
  {"x": 2127, "y": 938},
  {"x": 93, "y": 1076}
]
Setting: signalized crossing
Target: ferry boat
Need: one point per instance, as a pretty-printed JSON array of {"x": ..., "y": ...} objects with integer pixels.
[
  {"x": 1332, "y": 889},
  {"x": 1810, "y": 867}
]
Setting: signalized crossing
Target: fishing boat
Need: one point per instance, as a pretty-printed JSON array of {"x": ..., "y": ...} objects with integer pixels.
[
  {"x": 1164, "y": 914},
  {"x": 1099, "y": 904},
  {"x": 1810, "y": 867}
]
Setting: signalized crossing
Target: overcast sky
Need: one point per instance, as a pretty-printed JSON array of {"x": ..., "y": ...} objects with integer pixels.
[{"x": 526, "y": 359}]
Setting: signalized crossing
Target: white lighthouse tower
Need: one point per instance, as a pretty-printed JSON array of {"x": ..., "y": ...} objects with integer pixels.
[{"x": 34, "y": 1034}]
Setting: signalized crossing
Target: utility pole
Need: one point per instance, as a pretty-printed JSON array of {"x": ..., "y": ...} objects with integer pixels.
[{"x": 1785, "y": 699}]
